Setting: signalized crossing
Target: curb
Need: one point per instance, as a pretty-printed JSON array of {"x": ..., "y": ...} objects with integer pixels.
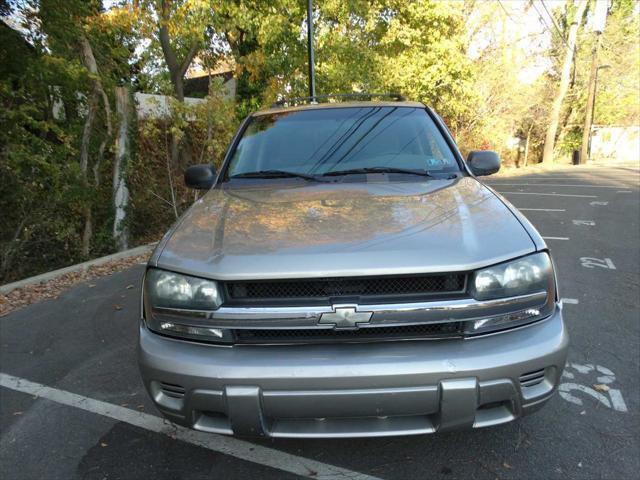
[{"x": 44, "y": 277}]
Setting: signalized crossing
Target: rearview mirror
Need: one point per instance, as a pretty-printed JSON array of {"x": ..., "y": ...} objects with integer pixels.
[
  {"x": 483, "y": 162},
  {"x": 200, "y": 177}
]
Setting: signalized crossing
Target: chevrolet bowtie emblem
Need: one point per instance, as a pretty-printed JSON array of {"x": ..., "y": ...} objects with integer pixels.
[{"x": 345, "y": 317}]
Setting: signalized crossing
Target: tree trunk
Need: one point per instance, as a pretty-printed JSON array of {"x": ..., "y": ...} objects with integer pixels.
[
  {"x": 178, "y": 86},
  {"x": 109, "y": 133},
  {"x": 526, "y": 146},
  {"x": 84, "y": 167},
  {"x": 122, "y": 156},
  {"x": 180, "y": 151},
  {"x": 88, "y": 231},
  {"x": 554, "y": 118},
  {"x": 89, "y": 61},
  {"x": 86, "y": 134}
]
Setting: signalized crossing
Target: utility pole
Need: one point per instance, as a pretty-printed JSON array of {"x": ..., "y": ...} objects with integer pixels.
[
  {"x": 312, "y": 74},
  {"x": 599, "y": 22}
]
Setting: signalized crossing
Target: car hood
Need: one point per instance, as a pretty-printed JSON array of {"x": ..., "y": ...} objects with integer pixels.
[{"x": 296, "y": 229}]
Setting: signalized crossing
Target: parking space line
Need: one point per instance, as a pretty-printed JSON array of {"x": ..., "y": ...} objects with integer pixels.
[
  {"x": 554, "y": 185},
  {"x": 570, "y": 301},
  {"x": 234, "y": 447},
  {"x": 555, "y": 238},
  {"x": 548, "y": 194},
  {"x": 541, "y": 209}
]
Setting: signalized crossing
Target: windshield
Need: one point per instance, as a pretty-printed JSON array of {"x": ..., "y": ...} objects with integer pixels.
[{"x": 318, "y": 142}]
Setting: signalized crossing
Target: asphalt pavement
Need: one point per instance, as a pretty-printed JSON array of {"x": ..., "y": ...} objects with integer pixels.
[{"x": 72, "y": 404}]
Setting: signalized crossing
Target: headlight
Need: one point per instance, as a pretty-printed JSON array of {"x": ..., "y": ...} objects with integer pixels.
[
  {"x": 528, "y": 275},
  {"x": 519, "y": 277},
  {"x": 177, "y": 305},
  {"x": 173, "y": 290}
]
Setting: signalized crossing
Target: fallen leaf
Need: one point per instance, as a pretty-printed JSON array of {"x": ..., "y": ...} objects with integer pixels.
[
  {"x": 601, "y": 387},
  {"x": 21, "y": 297}
]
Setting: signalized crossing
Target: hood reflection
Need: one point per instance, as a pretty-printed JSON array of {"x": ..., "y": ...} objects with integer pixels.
[
  {"x": 287, "y": 229},
  {"x": 248, "y": 220}
]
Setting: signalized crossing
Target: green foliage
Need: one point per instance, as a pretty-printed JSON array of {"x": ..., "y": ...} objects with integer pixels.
[
  {"x": 43, "y": 94},
  {"x": 158, "y": 193},
  {"x": 38, "y": 181},
  {"x": 618, "y": 97}
]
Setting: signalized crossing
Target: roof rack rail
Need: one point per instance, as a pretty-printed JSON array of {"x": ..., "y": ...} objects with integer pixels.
[{"x": 341, "y": 96}]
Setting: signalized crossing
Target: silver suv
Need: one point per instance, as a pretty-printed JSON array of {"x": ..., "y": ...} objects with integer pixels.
[{"x": 346, "y": 274}]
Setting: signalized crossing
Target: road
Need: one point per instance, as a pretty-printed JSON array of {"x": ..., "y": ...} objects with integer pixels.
[{"x": 86, "y": 415}]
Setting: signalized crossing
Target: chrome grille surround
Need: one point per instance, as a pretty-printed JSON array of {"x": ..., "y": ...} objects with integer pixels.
[{"x": 427, "y": 314}]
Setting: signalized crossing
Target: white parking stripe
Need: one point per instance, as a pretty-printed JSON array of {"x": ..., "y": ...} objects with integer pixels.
[
  {"x": 541, "y": 209},
  {"x": 549, "y": 194},
  {"x": 241, "y": 449},
  {"x": 570, "y": 301},
  {"x": 617, "y": 401},
  {"x": 555, "y": 238}
]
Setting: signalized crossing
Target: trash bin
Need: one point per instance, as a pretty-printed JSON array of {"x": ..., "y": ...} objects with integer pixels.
[{"x": 576, "y": 157}]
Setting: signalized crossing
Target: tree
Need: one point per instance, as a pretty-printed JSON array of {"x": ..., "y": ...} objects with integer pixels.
[
  {"x": 181, "y": 28},
  {"x": 422, "y": 54},
  {"x": 617, "y": 100},
  {"x": 56, "y": 131},
  {"x": 554, "y": 117}
]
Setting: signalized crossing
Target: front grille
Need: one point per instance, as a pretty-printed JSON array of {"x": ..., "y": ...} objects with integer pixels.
[
  {"x": 317, "y": 335},
  {"x": 326, "y": 289}
]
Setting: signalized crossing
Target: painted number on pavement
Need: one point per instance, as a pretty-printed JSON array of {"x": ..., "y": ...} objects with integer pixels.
[
  {"x": 599, "y": 386},
  {"x": 590, "y": 262}
]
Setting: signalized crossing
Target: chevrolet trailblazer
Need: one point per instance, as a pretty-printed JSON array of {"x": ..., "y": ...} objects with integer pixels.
[{"x": 347, "y": 274}]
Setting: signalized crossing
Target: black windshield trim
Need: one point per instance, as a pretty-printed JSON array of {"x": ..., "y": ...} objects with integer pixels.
[
  {"x": 355, "y": 171},
  {"x": 276, "y": 174}
]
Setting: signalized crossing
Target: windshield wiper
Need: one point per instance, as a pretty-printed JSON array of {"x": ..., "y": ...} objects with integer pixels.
[
  {"x": 275, "y": 174},
  {"x": 422, "y": 173}
]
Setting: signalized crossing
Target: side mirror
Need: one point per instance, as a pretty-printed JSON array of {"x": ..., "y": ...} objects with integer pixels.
[
  {"x": 200, "y": 177},
  {"x": 483, "y": 162}
]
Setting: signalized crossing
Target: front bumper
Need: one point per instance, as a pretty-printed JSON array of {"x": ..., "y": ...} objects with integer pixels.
[{"x": 359, "y": 389}]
